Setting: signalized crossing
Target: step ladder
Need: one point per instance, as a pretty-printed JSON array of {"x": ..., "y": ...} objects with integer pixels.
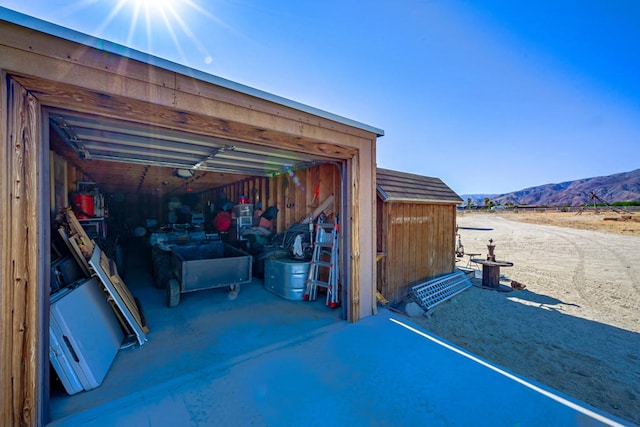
[{"x": 325, "y": 246}]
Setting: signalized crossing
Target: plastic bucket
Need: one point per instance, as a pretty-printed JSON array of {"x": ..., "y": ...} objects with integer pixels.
[{"x": 84, "y": 206}]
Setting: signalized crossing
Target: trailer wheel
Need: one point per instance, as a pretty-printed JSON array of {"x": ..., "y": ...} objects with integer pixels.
[
  {"x": 173, "y": 293},
  {"x": 233, "y": 293},
  {"x": 161, "y": 269}
]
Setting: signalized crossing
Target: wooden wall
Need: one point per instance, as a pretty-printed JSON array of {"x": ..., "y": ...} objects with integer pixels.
[
  {"x": 292, "y": 193},
  {"x": 419, "y": 241}
]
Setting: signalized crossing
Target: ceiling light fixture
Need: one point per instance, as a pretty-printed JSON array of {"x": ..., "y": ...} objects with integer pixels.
[{"x": 184, "y": 173}]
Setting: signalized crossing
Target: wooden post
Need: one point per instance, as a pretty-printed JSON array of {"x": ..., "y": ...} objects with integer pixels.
[
  {"x": 353, "y": 312},
  {"x": 21, "y": 293}
]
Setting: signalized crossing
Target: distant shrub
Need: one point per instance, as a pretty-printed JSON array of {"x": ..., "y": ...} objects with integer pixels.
[{"x": 631, "y": 203}]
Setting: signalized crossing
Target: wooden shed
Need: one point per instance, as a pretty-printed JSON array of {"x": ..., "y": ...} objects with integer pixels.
[
  {"x": 76, "y": 108},
  {"x": 416, "y": 226}
]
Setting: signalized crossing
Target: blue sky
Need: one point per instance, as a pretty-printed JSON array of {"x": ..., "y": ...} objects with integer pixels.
[{"x": 491, "y": 96}]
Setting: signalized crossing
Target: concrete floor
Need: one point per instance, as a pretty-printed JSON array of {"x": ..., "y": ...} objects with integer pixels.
[{"x": 263, "y": 360}]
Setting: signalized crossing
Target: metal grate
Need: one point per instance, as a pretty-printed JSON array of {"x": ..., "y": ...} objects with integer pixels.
[{"x": 433, "y": 292}]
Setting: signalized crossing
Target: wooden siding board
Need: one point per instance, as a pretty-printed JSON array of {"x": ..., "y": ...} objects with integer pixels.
[
  {"x": 411, "y": 233},
  {"x": 417, "y": 248},
  {"x": 452, "y": 223},
  {"x": 413, "y": 243},
  {"x": 438, "y": 234},
  {"x": 392, "y": 251},
  {"x": 398, "y": 253},
  {"x": 446, "y": 254},
  {"x": 424, "y": 230},
  {"x": 433, "y": 240},
  {"x": 380, "y": 244},
  {"x": 427, "y": 240},
  {"x": 387, "y": 238},
  {"x": 421, "y": 236}
]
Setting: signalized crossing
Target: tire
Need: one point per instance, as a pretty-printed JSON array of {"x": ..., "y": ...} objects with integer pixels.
[
  {"x": 161, "y": 270},
  {"x": 173, "y": 293}
]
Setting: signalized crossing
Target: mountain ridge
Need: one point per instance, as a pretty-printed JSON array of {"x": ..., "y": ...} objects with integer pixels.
[{"x": 619, "y": 187}]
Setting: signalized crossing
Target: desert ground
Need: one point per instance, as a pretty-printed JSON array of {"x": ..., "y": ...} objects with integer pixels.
[{"x": 576, "y": 326}]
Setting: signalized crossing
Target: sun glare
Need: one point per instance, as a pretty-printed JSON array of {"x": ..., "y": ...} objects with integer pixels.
[
  {"x": 151, "y": 17},
  {"x": 155, "y": 4}
]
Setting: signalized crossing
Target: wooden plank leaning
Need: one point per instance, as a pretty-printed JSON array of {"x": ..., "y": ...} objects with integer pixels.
[
  {"x": 120, "y": 294},
  {"x": 75, "y": 250},
  {"x": 90, "y": 257},
  {"x": 75, "y": 229}
]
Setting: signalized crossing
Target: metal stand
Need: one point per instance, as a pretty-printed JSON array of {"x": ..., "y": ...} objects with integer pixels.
[{"x": 326, "y": 244}]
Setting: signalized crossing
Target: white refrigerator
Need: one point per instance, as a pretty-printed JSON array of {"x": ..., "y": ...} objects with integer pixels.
[{"x": 84, "y": 335}]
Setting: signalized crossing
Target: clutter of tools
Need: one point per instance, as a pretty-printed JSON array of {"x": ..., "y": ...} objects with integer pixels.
[{"x": 92, "y": 312}]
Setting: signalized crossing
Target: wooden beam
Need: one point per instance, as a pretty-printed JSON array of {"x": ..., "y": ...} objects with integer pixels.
[
  {"x": 76, "y": 98},
  {"x": 354, "y": 285},
  {"x": 21, "y": 294},
  {"x": 326, "y": 206},
  {"x": 374, "y": 223}
]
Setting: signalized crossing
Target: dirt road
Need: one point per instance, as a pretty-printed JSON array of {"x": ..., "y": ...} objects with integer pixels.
[{"x": 576, "y": 327}]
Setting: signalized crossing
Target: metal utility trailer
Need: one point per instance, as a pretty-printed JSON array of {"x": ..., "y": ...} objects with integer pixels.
[{"x": 207, "y": 265}]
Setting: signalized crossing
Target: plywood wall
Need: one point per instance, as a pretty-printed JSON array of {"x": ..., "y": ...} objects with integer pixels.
[
  {"x": 419, "y": 241},
  {"x": 292, "y": 193}
]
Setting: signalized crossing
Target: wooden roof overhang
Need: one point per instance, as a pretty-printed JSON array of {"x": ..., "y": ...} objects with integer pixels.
[{"x": 402, "y": 187}]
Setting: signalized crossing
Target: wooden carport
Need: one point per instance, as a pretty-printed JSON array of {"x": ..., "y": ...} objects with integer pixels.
[{"x": 46, "y": 66}]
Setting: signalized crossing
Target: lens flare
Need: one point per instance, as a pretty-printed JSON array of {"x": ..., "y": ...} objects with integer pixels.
[{"x": 162, "y": 17}]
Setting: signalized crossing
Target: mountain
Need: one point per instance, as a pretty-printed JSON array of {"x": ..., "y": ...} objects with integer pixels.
[{"x": 620, "y": 187}]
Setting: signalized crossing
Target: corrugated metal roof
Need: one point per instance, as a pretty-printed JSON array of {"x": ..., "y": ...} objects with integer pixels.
[
  {"x": 114, "y": 48},
  {"x": 394, "y": 186}
]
